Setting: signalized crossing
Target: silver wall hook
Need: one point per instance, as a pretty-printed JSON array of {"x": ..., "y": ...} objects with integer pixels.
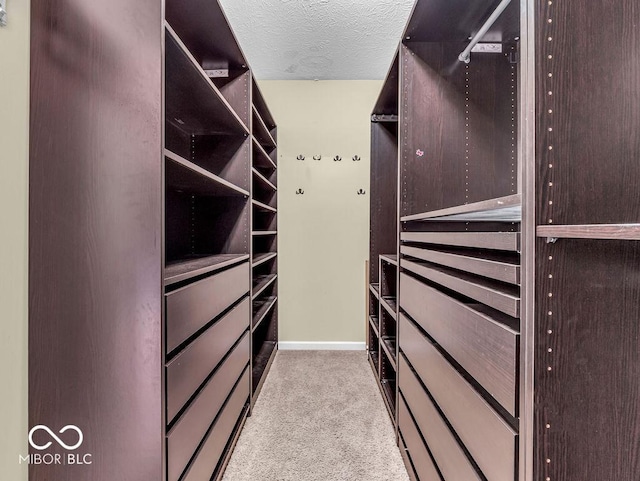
[
  {"x": 317, "y": 157},
  {"x": 361, "y": 192},
  {"x": 299, "y": 192},
  {"x": 356, "y": 158},
  {"x": 300, "y": 157},
  {"x": 337, "y": 158}
]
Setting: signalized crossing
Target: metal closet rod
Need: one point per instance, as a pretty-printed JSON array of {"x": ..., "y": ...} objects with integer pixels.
[{"x": 465, "y": 56}]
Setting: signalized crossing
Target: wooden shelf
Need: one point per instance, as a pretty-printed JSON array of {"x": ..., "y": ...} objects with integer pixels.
[
  {"x": 373, "y": 322},
  {"x": 503, "y": 209},
  {"x": 503, "y": 241},
  {"x": 184, "y": 175},
  {"x": 390, "y": 258},
  {"x": 389, "y": 304},
  {"x": 261, "y": 365},
  {"x": 262, "y": 108},
  {"x": 388, "y": 345},
  {"x": 263, "y": 179},
  {"x": 261, "y": 132},
  {"x": 260, "y": 283},
  {"x": 375, "y": 288},
  {"x": 263, "y": 207},
  {"x": 591, "y": 231},
  {"x": 193, "y": 103},
  {"x": 264, "y": 307},
  {"x": 264, "y": 232},
  {"x": 262, "y": 159},
  {"x": 205, "y": 30},
  {"x": 183, "y": 270},
  {"x": 260, "y": 259},
  {"x": 389, "y": 396}
]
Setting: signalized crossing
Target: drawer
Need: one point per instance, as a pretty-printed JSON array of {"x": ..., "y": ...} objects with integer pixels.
[
  {"x": 485, "y": 348},
  {"x": 489, "y": 439},
  {"x": 187, "y": 371},
  {"x": 212, "y": 450},
  {"x": 186, "y": 435},
  {"x": 405, "y": 457},
  {"x": 449, "y": 456},
  {"x": 191, "y": 307},
  {"x": 422, "y": 462}
]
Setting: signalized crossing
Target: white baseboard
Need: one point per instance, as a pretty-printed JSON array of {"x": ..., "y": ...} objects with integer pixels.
[{"x": 321, "y": 346}]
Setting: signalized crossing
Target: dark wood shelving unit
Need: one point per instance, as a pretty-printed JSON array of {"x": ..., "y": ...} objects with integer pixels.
[
  {"x": 184, "y": 270},
  {"x": 511, "y": 180},
  {"x": 264, "y": 242}
]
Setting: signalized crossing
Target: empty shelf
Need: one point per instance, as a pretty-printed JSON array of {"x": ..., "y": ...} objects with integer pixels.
[
  {"x": 261, "y": 132},
  {"x": 264, "y": 232},
  {"x": 390, "y": 258},
  {"x": 186, "y": 176},
  {"x": 261, "y": 363},
  {"x": 193, "y": 103},
  {"x": 591, "y": 231},
  {"x": 259, "y": 259},
  {"x": 264, "y": 207},
  {"x": 373, "y": 322},
  {"x": 260, "y": 283},
  {"x": 503, "y": 209},
  {"x": 262, "y": 159},
  {"x": 389, "y": 348},
  {"x": 389, "y": 395},
  {"x": 503, "y": 241},
  {"x": 186, "y": 269},
  {"x": 389, "y": 303},
  {"x": 261, "y": 308},
  {"x": 263, "y": 179},
  {"x": 375, "y": 288}
]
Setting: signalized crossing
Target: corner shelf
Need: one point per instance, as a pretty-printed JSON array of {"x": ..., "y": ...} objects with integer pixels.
[
  {"x": 263, "y": 179},
  {"x": 263, "y": 159},
  {"x": 262, "y": 134}
]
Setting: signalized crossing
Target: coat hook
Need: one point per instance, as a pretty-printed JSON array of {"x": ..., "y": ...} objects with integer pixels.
[
  {"x": 317, "y": 157},
  {"x": 361, "y": 192},
  {"x": 299, "y": 192},
  {"x": 300, "y": 157},
  {"x": 356, "y": 158},
  {"x": 337, "y": 158}
]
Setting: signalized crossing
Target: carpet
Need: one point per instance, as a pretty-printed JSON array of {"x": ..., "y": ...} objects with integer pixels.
[{"x": 319, "y": 417}]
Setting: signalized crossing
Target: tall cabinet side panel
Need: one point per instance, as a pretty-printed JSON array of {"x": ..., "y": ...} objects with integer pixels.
[{"x": 95, "y": 235}]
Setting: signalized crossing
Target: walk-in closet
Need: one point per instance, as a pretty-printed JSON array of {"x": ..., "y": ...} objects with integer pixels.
[{"x": 320, "y": 240}]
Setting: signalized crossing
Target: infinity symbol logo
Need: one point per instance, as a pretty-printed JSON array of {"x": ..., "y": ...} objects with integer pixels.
[{"x": 53, "y": 435}]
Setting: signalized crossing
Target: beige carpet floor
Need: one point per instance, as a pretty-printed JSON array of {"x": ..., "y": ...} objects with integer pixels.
[{"x": 320, "y": 417}]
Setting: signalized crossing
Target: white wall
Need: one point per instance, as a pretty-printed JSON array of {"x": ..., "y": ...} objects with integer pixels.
[
  {"x": 14, "y": 145},
  {"x": 323, "y": 234}
]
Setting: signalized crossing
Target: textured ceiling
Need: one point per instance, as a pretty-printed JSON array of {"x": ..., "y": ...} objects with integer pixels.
[{"x": 318, "y": 39}]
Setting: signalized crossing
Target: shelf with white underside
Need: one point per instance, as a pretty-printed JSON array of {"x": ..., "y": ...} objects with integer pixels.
[{"x": 502, "y": 209}]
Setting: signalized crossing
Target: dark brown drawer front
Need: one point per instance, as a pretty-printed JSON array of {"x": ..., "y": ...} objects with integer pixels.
[
  {"x": 491, "y": 442},
  {"x": 405, "y": 457},
  {"x": 425, "y": 468},
  {"x": 191, "y": 367},
  {"x": 190, "y": 308},
  {"x": 212, "y": 450},
  {"x": 449, "y": 456},
  {"x": 484, "y": 348},
  {"x": 186, "y": 435}
]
